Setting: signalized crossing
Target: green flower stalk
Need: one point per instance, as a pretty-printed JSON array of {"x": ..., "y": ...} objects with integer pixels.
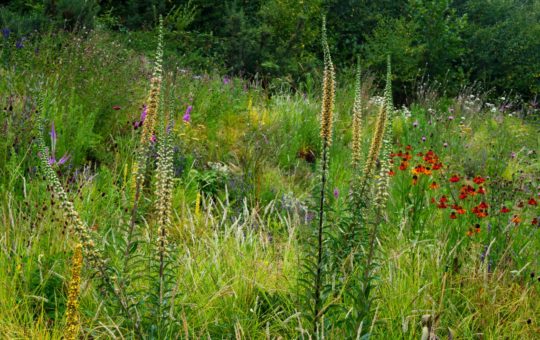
[
  {"x": 381, "y": 197},
  {"x": 383, "y": 182},
  {"x": 72, "y": 309}
]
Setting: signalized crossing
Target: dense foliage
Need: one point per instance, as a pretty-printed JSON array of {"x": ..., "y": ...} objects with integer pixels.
[{"x": 450, "y": 43}]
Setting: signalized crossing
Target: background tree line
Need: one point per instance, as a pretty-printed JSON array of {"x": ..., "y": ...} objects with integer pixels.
[{"x": 453, "y": 43}]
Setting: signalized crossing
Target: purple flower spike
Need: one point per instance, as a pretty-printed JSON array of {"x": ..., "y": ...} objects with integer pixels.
[
  {"x": 226, "y": 80},
  {"x": 53, "y": 138},
  {"x": 64, "y": 159},
  {"x": 52, "y": 160},
  {"x": 143, "y": 113},
  {"x": 336, "y": 193},
  {"x": 187, "y": 115}
]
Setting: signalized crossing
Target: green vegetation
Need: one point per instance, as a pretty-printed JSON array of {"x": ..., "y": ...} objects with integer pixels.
[{"x": 141, "y": 198}]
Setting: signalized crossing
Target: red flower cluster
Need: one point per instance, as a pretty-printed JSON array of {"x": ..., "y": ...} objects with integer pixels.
[{"x": 481, "y": 210}]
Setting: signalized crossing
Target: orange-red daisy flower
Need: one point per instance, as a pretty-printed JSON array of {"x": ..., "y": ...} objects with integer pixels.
[
  {"x": 453, "y": 215},
  {"x": 532, "y": 201},
  {"x": 454, "y": 179},
  {"x": 516, "y": 219},
  {"x": 433, "y": 185},
  {"x": 505, "y": 210},
  {"x": 479, "y": 180}
]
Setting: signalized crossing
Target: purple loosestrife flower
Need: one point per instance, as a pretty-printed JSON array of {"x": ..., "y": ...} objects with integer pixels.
[
  {"x": 139, "y": 123},
  {"x": 52, "y": 133},
  {"x": 64, "y": 159},
  {"x": 187, "y": 115},
  {"x": 6, "y": 32},
  {"x": 52, "y": 158}
]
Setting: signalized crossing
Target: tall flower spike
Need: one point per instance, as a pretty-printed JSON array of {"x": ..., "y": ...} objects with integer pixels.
[
  {"x": 357, "y": 120},
  {"x": 155, "y": 90},
  {"x": 374, "y": 149},
  {"x": 383, "y": 182},
  {"x": 71, "y": 330},
  {"x": 164, "y": 188},
  {"x": 327, "y": 110},
  {"x": 70, "y": 214}
]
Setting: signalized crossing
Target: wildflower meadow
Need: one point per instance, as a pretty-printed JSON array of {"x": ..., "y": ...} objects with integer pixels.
[{"x": 143, "y": 199}]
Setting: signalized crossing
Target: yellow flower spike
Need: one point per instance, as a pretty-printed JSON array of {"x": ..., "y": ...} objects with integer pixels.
[{"x": 71, "y": 330}]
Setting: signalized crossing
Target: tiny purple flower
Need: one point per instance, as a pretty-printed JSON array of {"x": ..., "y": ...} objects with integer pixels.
[
  {"x": 153, "y": 138},
  {"x": 336, "y": 193},
  {"x": 19, "y": 44},
  {"x": 450, "y": 117},
  {"x": 415, "y": 124},
  {"x": 513, "y": 155},
  {"x": 445, "y": 144},
  {"x": 423, "y": 138},
  {"x": 226, "y": 80}
]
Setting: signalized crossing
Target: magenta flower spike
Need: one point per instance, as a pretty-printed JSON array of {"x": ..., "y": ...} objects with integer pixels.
[
  {"x": 143, "y": 113},
  {"x": 53, "y": 138},
  {"x": 64, "y": 159},
  {"x": 187, "y": 115}
]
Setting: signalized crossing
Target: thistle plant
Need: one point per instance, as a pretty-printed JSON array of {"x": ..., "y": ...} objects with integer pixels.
[{"x": 72, "y": 309}]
